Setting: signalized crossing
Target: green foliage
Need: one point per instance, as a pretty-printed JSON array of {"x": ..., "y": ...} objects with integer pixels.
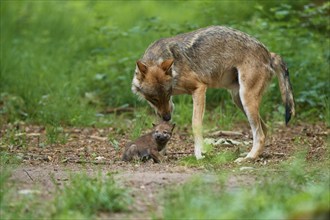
[
  {"x": 300, "y": 34},
  {"x": 296, "y": 192},
  {"x": 61, "y": 63}
]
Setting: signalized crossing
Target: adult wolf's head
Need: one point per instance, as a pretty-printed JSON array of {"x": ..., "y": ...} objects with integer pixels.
[{"x": 153, "y": 82}]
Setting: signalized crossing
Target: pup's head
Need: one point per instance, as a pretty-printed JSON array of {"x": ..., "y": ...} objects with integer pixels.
[
  {"x": 154, "y": 83},
  {"x": 162, "y": 132}
]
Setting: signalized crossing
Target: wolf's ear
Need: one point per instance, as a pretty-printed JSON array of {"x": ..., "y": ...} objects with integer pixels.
[
  {"x": 142, "y": 67},
  {"x": 166, "y": 66}
]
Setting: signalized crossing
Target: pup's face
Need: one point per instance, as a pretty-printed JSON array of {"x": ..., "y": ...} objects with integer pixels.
[
  {"x": 154, "y": 83},
  {"x": 163, "y": 132}
]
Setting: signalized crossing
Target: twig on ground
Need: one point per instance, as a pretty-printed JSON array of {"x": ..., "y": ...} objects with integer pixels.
[
  {"x": 117, "y": 110},
  {"x": 98, "y": 138},
  {"x": 169, "y": 153},
  {"x": 279, "y": 154},
  {"x": 226, "y": 133},
  {"x": 28, "y": 174},
  {"x": 86, "y": 161}
]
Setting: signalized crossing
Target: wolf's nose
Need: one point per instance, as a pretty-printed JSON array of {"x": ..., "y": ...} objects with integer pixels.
[{"x": 167, "y": 117}]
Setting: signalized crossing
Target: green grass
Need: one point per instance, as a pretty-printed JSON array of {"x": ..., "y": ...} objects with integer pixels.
[
  {"x": 9, "y": 158},
  {"x": 55, "y": 135},
  {"x": 81, "y": 197},
  {"x": 213, "y": 160},
  {"x": 62, "y": 64},
  {"x": 87, "y": 196},
  {"x": 293, "y": 190}
]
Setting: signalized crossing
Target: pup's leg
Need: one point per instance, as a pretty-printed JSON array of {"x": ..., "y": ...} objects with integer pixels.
[
  {"x": 252, "y": 82},
  {"x": 197, "y": 119},
  {"x": 130, "y": 152},
  {"x": 155, "y": 155}
]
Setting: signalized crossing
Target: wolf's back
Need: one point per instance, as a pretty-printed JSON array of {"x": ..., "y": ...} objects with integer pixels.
[{"x": 207, "y": 51}]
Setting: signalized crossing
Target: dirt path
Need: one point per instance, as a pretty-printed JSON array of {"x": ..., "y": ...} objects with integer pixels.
[{"x": 88, "y": 149}]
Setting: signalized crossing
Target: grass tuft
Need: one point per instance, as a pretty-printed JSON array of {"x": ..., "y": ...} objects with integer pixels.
[
  {"x": 211, "y": 160},
  {"x": 86, "y": 196}
]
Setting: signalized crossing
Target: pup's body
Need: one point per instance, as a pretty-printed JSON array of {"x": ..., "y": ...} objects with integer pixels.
[
  {"x": 149, "y": 145},
  {"x": 215, "y": 57}
]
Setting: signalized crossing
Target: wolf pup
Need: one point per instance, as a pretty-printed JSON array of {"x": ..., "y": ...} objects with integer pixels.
[
  {"x": 212, "y": 57},
  {"x": 149, "y": 145}
]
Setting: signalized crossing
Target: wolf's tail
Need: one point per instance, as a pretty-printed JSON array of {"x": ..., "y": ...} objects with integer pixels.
[{"x": 282, "y": 73}]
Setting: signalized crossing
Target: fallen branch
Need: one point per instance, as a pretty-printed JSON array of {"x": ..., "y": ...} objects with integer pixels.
[
  {"x": 28, "y": 134},
  {"x": 98, "y": 138},
  {"x": 86, "y": 161},
  {"x": 117, "y": 110},
  {"x": 226, "y": 133},
  {"x": 179, "y": 153}
]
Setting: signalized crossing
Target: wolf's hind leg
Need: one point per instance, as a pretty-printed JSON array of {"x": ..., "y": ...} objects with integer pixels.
[
  {"x": 252, "y": 82},
  {"x": 238, "y": 103}
]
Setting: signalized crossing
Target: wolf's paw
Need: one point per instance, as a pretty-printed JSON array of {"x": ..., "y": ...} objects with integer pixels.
[
  {"x": 199, "y": 155},
  {"x": 199, "y": 152}
]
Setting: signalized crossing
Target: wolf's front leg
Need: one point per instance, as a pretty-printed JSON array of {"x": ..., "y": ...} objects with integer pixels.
[{"x": 197, "y": 120}]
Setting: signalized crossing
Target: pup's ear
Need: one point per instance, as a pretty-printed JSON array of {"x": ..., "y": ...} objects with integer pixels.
[
  {"x": 142, "y": 67},
  {"x": 166, "y": 66},
  {"x": 153, "y": 125}
]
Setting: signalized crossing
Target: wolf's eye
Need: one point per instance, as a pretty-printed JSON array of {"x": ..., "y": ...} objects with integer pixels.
[{"x": 154, "y": 101}]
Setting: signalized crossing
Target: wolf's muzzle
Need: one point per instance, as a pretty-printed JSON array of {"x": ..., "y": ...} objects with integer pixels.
[{"x": 167, "y": 117}]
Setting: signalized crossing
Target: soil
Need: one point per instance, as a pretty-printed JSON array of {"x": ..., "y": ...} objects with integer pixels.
[{"x": 45, "y": 165}]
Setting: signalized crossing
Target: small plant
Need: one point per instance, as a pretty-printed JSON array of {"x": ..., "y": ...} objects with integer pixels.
[
  {"x": 115, "y": 144},
  {"x": 14, "y": 137},
  {"x": 8, "y": 158},
  {"x": 55, "y": 135}
]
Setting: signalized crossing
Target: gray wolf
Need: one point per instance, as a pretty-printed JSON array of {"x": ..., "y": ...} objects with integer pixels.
[
  {"x": 151, "y": 144},
  {"x": 212, "y": 57}
]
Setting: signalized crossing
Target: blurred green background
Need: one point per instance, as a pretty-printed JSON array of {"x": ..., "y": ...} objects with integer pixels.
[{"x": 64, "y": 62}]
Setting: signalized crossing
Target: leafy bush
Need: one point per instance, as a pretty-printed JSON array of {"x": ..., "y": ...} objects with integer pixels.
[{"x": 64, "y": 62}]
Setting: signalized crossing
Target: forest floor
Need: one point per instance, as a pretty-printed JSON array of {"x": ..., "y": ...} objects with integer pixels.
[{"x": 45, "y": 166}]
